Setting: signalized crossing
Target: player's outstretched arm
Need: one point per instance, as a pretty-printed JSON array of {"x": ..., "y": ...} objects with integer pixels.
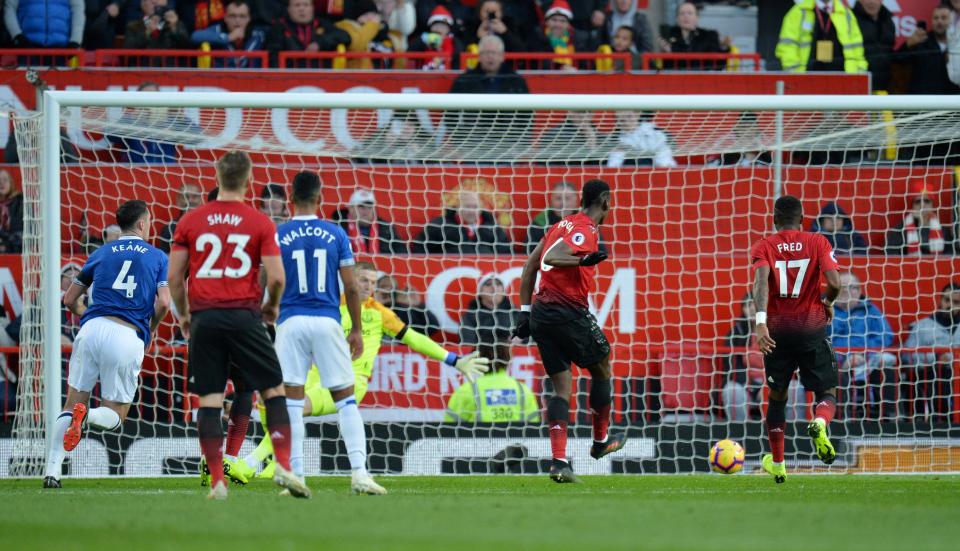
[
  {"x": 160, "y": 307},
  {"x": 273, "y": 266},
  {"x": 352, "y": 293},
  {"x": 71, "y": 299},
  {"x": 561, "y": 255},
  {"x": 177, "y": 273},
  {"x": 470, "y": 365},
  {"x": 761, "y": 298}
]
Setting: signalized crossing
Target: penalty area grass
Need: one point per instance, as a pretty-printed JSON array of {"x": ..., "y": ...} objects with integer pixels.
[{"x": 493, "y": 513}]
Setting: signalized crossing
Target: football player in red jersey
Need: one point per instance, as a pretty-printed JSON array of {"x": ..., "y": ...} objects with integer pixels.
[
  {"x": 791, "y": 327},
  {"x": 222, "y": 244},
  {"x": 563, "y": 327}
]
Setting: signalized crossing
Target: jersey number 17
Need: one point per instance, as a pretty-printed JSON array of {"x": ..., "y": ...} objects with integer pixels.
[{"x": 783, "y": 276}]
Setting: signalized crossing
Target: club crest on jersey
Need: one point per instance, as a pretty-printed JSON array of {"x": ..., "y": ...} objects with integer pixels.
[{"x": 578, "y": 239}]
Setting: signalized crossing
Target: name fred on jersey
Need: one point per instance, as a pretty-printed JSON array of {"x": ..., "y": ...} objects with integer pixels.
[{"x": 791, "y": 247}]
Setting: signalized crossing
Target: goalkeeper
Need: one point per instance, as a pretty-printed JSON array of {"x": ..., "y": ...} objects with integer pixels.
[{"x": 376, "y": 321}]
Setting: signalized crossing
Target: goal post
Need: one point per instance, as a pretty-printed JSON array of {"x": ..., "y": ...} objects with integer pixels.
[{"x": 419, "y": 150}]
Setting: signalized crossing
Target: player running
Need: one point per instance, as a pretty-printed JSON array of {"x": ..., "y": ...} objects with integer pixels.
[
  {"x": 562, "y": 326},
  {"x": 128, "y": 300},
  {"x": 792, "y": 323},
  {"x": 376, "y": 320},
  {"x": 222, "y": 243}
]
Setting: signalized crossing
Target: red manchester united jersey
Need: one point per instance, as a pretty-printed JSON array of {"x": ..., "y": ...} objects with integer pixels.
[
  {"x": 796, "y": 259},
  {"x": 568, "y": 286},
  {"x": 225, "y": 241}
]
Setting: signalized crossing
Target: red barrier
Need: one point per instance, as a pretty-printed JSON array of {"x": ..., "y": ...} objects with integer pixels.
[
  {"x": 173, "y": 58},
  {"x": 545, "y": 61},
  {"x": 359, "y": 60},
  {"x": 698, "y": 61},
  {"x": 41, "y": 57}
]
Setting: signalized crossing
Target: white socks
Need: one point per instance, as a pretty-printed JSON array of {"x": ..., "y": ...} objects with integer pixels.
[
  {"x": 103, "y": 418},
  {"x": 352, "y": 431},
  {"x": 56, "y": 453},
  {"x": 297, "y": 431}
]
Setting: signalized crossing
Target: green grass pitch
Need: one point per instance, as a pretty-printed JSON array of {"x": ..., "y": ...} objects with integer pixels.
[{"x": 503, "y": 513}]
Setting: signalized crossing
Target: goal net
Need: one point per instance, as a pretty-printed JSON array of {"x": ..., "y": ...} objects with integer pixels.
[{"x": 446, "y": 195}]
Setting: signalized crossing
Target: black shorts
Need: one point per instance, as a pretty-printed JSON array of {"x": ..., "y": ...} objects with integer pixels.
[
  {"x": 817, "y": 365},
  {"x": 579, "y": 340},
  {"x": 231, "y": 344}
]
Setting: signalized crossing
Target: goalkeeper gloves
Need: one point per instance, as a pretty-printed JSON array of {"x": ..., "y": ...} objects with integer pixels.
[
  {"x": 593, "y": 259},
  {"x": 470, "y": 365},
  {"x": 522, "y": 330}
]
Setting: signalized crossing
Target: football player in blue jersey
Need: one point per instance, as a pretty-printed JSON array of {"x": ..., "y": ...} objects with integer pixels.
[
  {"x": 127, "y": 283},
  {"x": 315, "y": 252}
]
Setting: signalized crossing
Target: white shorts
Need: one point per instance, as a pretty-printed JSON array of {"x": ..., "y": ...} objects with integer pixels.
[
  {"x": 109, "y": 351},
  {"x": 303, "y": 341}
]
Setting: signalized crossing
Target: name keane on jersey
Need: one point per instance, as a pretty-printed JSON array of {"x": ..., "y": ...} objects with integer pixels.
[
  {"x": 306, "y": 231},
  {"x": 128, "y": 246},
  {"x": 220, "y": 218}
]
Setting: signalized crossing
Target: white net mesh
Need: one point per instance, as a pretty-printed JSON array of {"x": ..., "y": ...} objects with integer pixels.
[{"x": 692, "y": 192}]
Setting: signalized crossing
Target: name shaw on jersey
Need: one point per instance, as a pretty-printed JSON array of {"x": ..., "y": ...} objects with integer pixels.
[
  {"x": 307, "y": 231},
  {"x": 228, "y": 219}
]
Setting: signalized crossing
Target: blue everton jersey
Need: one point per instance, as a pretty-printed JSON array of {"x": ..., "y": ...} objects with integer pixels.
[
  {"x": 313, "y": 251},
  {"x": 125, "y": 275}
]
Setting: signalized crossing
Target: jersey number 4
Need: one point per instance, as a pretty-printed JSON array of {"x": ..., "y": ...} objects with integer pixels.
[
  {"x": 125, "y": 283},
  {"x": 212, "y": 240},
  {"x": 783, "y": 274}
]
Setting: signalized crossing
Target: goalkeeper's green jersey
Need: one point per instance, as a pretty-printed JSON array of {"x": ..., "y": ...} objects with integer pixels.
[{"x": 376, "y": 320}]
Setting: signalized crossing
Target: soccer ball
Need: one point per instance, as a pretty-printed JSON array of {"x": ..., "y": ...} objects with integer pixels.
[{"x": 726, "y": 457}]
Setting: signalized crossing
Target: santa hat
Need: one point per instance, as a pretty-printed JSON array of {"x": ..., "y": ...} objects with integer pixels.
[
  {"x": 559, "y": 7},
  {"x": 919, "y": 190},
  {"x": 440, "y": 14}
]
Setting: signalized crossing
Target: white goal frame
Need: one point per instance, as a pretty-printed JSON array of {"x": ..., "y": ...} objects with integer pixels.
[{"x": 54, "y": 101}]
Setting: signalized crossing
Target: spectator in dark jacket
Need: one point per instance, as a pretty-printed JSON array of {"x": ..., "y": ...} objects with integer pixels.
[
  {"x": 299, "y": 30},
  {"x": 926, "y": 51},
  {"x": 45, "y": 23},
  {"x": 368, "y": 232},
  {"x": 490, "y": 317},
  {"x": 491, "y": 75},
  {"x": 11, "y": 215},
  {"x": 879, "y": 33},
  {"x": 837, "y": 227},
  {"x": 467, "y": 229},
  {"x": 160, "y": 28},
  {"x": 490, "y": 20},
  {"x": 687, "y": 37},
  {"x": 189, "y": 198},
  {"x": 474, "y": 132},
  {"x": 560, "y": 37},
  {"x": 102, "y": 19},
  {"x": 625, "y": 13},
  {"x": 234, "y": 33},
  {"x": 564, "y": 201}
]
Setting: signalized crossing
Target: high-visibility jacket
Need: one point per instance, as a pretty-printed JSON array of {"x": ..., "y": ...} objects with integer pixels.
[
  {"x": 796, "y": 37},
  {"x": 493, "y": 398}
]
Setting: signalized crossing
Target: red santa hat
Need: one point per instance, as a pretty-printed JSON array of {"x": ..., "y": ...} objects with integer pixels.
[
  {"x": 919, "y": 190},
  {"x": 440, "y": 14},
  {"x": 559, "y": 7}
]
